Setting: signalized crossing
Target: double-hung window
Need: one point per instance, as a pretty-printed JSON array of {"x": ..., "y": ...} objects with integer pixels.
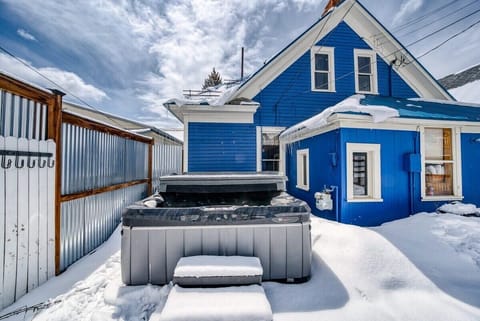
[
  {"x": 322, "y": 67},
  {"x": 441, "y": 168},
  {"x": 365, "y": 71},
  {"x": 303, "y": 173},
  {"x": 268, "y": 152},
  {"x": 363, "y": 173}
]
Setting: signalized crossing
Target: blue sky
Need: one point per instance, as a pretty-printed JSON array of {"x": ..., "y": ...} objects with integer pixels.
[{"x": 128, "y": 56}]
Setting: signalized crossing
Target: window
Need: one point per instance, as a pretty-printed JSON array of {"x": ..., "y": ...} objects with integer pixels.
[
  {"x": 303, "y": 179},
  {"x": 363, "y": 173},
  {"x": 365, "y": 71},
  {"x": 440, "y": 167},
  {"x": 323, "y": 71},
  {"x": 268, "y": 152}
]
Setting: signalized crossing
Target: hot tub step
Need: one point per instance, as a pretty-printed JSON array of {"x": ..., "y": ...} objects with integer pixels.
[
  {"x": 242, "y": 303},
  {"x": 210, "y": 270}
]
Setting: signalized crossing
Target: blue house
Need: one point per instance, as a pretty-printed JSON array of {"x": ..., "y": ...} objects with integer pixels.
[{"x": 347, "y": 52}]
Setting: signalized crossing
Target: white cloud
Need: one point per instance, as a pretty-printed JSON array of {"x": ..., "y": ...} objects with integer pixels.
[
  {"x": 26, "y": 35},
  {"x": 67, "y": 80},
  {"x": 407, "y": 8}
]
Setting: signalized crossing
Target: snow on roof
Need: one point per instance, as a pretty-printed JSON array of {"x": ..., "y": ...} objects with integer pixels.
[
  {"x": 351, "y": 104},
  {"x": 469, "y": 93},
  {"x": 106, "y": 124},
  {"x": 227, "y": 93}
]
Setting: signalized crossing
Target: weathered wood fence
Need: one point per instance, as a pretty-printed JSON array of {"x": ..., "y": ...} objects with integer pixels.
[{"x": 64, "y": 181}]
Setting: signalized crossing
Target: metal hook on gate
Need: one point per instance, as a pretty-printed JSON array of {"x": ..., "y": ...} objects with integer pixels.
[
  {"x": 7, "y": 164},
  {"x": 51, "y": 163},
  {"x": 32, "y": 164},
  {"x": 42, "y": 164},
  {"x": 22, "y": 163}
]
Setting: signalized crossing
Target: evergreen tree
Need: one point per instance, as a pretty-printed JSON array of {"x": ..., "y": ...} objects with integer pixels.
[{"x": 213, "y": 79}]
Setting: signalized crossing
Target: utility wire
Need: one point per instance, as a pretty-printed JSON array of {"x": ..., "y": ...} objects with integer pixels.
[
  {"x": 425, "y": 37},
  {"x": 420, "y": 18},
  {"x": 58, "y": 85},
  {"x": 448, "y": 39},
  {"x": 436, "y": 20},
  {"x": 443, "y": 28}
]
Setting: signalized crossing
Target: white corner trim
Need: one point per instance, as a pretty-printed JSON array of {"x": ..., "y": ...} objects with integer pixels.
[
  {"x": 259, "y": 148},
  {"x": 185, "y": 144}
]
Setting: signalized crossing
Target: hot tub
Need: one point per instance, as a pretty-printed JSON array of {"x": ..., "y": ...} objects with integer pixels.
[{"x": 221, "y": 214}]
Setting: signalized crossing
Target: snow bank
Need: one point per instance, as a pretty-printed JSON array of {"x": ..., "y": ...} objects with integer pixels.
[
  {"x": 458, "y": 208},
  {"x": 425, "y": 267},
  {"x": 351, "y": 104},
  {"x": 241, "y": 303},
  {"x": 209, "y": 265}
]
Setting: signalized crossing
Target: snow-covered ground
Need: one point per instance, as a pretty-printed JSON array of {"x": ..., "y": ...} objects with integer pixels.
[{"x": 425, "y": 267}]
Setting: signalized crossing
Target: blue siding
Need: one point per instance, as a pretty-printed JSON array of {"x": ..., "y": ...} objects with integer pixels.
[
  {"x": 470, "y": 168},
  {"x": 395, "y": 179},
  {"x": 322, "y": 171},
  {"x": 220, "y": 147},
  {"x": 394, "y": 145},
  {"x": 397, "y": 185},
  {"x": 288, "y": 99}
]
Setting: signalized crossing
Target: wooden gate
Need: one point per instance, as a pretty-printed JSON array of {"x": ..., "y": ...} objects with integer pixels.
[{"x": 27, "y": 188}]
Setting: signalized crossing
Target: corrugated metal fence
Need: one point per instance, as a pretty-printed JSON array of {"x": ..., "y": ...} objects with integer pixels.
[
  {"x": 102, "y": 172},
  {"x": 167, "y": 159},
  {"x": 64, "y": 181},
  {"x": 88, "y": 222}
]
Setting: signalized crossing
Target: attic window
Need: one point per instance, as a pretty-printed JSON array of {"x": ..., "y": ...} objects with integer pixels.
[
  {"x": 323, "y": 71},
  {"x": 365, "y": 71}
]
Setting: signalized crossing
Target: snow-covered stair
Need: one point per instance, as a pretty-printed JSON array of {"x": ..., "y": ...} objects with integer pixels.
[
  {"x": 210, "y": 270},
  {"x": 244, "y": 302}
]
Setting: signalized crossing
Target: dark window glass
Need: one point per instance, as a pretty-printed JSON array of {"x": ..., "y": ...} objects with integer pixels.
[
  {"x": 304, "y": 160},
  {"x": 270, "y": 152},
  {"x": 364, "y": 65},
  {"x": 360, "y": 174},
  {"x": 321, "y": 62},
  {"x": 321, "y": 80},
  {"x": 364, "y": 83}
]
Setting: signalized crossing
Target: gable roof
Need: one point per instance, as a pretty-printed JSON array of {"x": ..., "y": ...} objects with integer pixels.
[
  {"x": 357, "y": 17},
  {"x": 118, "y": 121}
]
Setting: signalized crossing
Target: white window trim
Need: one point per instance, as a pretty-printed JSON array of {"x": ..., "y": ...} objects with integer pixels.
[
  {"x": 270, "y": 129},
  {"x": 300, "y": 170},
  {"x": 373, "y": 56},
  {"x": 374, "y": 193},
  {"x": 457, "y": 166},
  {"x": 331, "y": 67}
]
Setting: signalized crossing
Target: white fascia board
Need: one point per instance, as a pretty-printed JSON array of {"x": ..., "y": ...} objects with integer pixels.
[
  {"x": 337, "y": 121},
  {"x": 390, "y": 49},
  {"x": 217, "y": 114},
  {"x": 291, "y": 54}
]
